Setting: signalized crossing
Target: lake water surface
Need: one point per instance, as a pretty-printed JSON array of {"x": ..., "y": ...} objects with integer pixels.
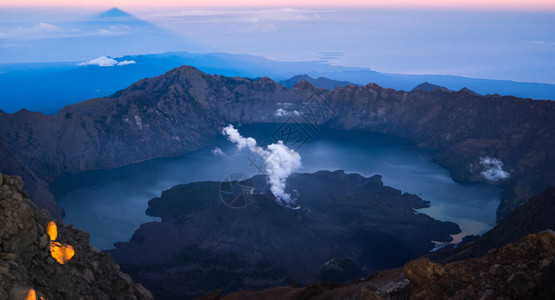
[{"x": 110, "y": 204}]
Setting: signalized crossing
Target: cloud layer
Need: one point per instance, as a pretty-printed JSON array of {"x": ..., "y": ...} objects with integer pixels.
[
  {"x": 280, "y": 112},
  {"x": 279, "y": 162},
  {"x": 105, "y": 61}
]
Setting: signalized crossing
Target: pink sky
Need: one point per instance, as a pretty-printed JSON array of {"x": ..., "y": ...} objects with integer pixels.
[{"x": 466, "y": 4}]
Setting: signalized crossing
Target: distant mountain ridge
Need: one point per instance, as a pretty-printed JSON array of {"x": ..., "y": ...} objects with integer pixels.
[
  {"x": 321, "y": 82},
  {"x": 21, "y": 83}
]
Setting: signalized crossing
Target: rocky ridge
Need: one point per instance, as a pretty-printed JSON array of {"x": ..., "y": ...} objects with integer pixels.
[
  {"x": 184, "y": 109},
  {"x": 27, "y": 265}
]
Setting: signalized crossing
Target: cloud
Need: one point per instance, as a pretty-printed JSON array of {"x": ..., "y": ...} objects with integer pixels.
[
  {"x": 102, "y": 61},
  {"x": 243, "y": 16},
  {"x": 257, "y": 27},
  {"x": 126, "y": 62},
  {"x": 105, "y": 61},
  {"x": 9, "y": 46},
  {"x": 268, "y": 13},
  {"x": 115, "y": 30},
  {"x": 543, "y": 43},
  {"x": 284, "y": 113},
  {"x": 44, "y": 27},
  {"x": 329, "y": 55},
  {"x": 279, "y": 162},
  {"x": 493, "y": 169},
  {"x": 217, "y": 151}
]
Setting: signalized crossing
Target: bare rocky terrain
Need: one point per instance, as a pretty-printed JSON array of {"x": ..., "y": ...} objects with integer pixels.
[{"x": 26, "y": 263}]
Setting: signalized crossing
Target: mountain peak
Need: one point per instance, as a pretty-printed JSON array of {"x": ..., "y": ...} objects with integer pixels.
[
  {"x": 428, "y": 87},
  {"x": 468, "y": 91},
  {"x": 301, "y": 77},
  {"x": 113, "y": 13}
]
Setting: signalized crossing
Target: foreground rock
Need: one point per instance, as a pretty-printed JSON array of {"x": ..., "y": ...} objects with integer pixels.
[
  {"x": 347, "y": 226},
  {"x": 27, "y": 265},
  {"x": 184, "y": 109},
  {"x": 522, "y": 270}
]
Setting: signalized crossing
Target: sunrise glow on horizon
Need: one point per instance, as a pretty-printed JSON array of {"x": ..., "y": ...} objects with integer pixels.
[{"x": 537, "y": 5}]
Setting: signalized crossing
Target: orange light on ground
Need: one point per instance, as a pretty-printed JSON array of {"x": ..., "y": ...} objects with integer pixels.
[
  {"x": 52, "y": 231},
  {"x": 31, "y": 295},
  {"x": 61, "y": 253}
]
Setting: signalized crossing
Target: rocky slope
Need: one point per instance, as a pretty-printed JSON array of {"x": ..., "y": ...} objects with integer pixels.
[
  {"x": 348, "y": 226},
  {"x": 520, "y": 270},
  {"x": 183, "y": 110},
  {"x": 26, "y": 264}
]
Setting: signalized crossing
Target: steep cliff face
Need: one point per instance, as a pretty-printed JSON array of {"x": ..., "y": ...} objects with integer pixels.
[
  {"x": 27, "y": 265},
  {"x": 463, "y": 129},
  {"x": 184, "y": 109}
]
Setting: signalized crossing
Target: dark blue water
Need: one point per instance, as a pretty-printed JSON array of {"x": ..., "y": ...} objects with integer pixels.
[{"x": 110, "y": 204}]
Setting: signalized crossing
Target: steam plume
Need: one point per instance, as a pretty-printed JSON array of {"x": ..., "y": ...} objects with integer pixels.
[
  {"x": 279, "y": 162},
  {"x": 493, "y": 169}
]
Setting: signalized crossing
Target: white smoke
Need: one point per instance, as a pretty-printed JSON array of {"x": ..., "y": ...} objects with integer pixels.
[
  {"x": 279, "y": 162},
  {"x": 493, "y": 169},
  {"x": 280, "y": 112},
  {"x": 218, "y": 151}
]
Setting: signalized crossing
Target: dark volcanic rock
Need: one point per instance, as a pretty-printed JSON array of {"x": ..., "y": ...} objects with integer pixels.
[
  {"x": 348, "y": 225},
  {"x": 521, "y": 266},
  {"x": 522, "y": 275},
  {"x": 26, "y": 263},
  {"x": 182, "y": 111}
]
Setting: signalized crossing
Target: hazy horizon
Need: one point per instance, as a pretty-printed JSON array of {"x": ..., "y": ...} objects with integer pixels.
[{"x": 478, "y": 43}]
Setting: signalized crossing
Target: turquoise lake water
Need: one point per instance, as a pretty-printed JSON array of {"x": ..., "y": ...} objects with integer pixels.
[{"x": 110, "y": 204}]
